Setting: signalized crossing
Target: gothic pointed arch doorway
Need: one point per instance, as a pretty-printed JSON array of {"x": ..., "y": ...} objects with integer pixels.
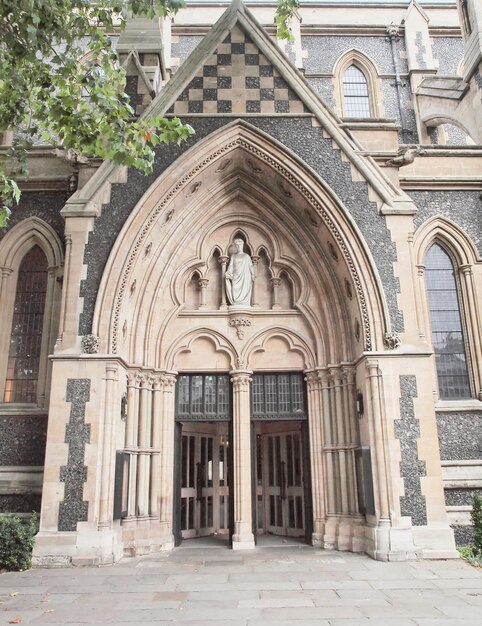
[{"x": 314, "y": 308}]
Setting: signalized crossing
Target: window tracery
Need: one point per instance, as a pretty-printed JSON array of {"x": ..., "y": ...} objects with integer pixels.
[
  {"x": 27, "y": 326},
  {"x": 446, "y": 325},
  {"x": 356, "y": 97}
]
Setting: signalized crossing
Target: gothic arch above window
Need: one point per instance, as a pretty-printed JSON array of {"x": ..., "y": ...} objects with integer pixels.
[
  {"x": 31, "y": 259},
  {"x": 447, "y": 263}
]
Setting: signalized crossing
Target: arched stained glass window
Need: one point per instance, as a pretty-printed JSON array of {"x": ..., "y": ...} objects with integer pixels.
[
  {"x": 27, "y": 325},
  {"x": 447, "y": 333},
  {"x": 356, "y": 99}
]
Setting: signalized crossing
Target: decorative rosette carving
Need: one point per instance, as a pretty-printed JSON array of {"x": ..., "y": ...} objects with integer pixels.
[{"x": 392, "y": 340}]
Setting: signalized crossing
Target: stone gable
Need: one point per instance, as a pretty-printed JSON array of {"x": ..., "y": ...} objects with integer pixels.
[{"x": 237, "y": 78}]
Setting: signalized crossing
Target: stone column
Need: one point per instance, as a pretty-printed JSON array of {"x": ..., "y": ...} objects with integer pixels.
[
  {"x": 131, "y": 439},
  {"x": 474, "y": 323},
  {"x": 331, "y": 525},
  {"x": 63, "y": 306},
  {"x": 421, "y": 300},
  {"x": 254, "y": 301},
  {"x": 315, "y": 424},
  {"x": 328, "y": 440},
  {"x": 378, "y": 443},
  {"x": 167, "y": 382},
  {"x": 276, "y": 282},
  {"x": 5, "y": 336},
  {"x": 154, "y": 494},
  {"x": 352, "y": 437},
  {"x": 223, "y": 260},
  {"x": 243, "y": 532},
  {"x": 107, "y": 449},
  {"x": 50, "y": 336},
  {"x": 340, "y": 438},
  {"x": 144, "y": 444},
  {"x": 203, "y": 284},
  {"x": 4, "y": 276}
]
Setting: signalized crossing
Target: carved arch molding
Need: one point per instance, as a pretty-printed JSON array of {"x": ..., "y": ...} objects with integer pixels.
[{"x": 142, "y": 245}]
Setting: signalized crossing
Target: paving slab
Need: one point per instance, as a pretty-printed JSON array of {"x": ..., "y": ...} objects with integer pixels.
[{"x": 289, "y": 585}]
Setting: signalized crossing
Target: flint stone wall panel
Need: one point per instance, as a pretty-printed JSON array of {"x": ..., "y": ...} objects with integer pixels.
[
  {"x": 460, "y": 436},
  {"x": 23, "y": 439},
  {"x": 462, "y": 207},
  {"x": 45, "y": 205}
]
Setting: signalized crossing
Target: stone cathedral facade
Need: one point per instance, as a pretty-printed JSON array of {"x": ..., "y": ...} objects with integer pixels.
[{"x": 278, "y": 331}]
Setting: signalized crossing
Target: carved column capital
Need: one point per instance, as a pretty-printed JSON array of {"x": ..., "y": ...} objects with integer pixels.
[
  {"x": 241, "y": 380},
  {"x": 275, "y": 281},
  {"x": 324, "y": 378},
  {"x": 111, "y": 370},
  {"x": 372, "y": 366},
  {"x": 6, "y": 271},
  {"x": 167, "y": 381},
  {"x": 145, "y": 380},
  {"x": 335, "y": 375},
  {"x": 348, "y": 374},
  {"x": 312, "y": 380},
  {"x": 133, "y": 378}
]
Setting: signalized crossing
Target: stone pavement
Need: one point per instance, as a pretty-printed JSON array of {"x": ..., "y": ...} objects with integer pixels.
[{"x": 278, "y": 584}]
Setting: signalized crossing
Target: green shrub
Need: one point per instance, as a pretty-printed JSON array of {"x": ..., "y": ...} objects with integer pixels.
[
  {"x": 16, "y": 541},
  {"x": 476, "y": 515}
]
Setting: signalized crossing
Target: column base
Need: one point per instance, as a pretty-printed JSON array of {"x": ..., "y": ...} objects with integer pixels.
[
  {"x": 435, "y": 541},
  {"x": 79, "y": 548},
  {"x": 243, "y": 542},
  {"x": 145, "y": 536}
]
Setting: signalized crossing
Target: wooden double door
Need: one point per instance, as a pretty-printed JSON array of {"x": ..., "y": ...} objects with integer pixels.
[
  {"x": 281, "y": 501},
  {"x": 279, "y": 481},
  {"x": 205, "y": 470}
]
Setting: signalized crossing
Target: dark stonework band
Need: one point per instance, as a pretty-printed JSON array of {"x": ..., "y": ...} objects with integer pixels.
[
  {"x": 407, "y": 430},
  {"x": 74, "y": 509}
]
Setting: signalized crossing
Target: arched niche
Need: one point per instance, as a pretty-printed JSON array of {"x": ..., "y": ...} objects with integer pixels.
[
  {"x": 193, "y": 292},
  {"x": 279, "y": 346},
  {"x": 286, "y": 291},
  {"x": 201, "y": 350}
]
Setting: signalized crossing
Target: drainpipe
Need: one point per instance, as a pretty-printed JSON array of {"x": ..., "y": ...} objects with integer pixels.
[{"x": 393, "y": 36}]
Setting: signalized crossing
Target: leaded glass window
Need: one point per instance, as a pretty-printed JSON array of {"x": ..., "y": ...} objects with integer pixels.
[
  {"x": 278, "y": 396},
  {"x": 356, "y": 99},
  {"x": 27, "y": 325},
  {"x": 203, "y": 397},
  {"x": 447, "y": 332}
]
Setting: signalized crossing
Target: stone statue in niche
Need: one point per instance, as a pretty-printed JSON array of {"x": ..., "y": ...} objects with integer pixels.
[{"x": 240, "y": 276}]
